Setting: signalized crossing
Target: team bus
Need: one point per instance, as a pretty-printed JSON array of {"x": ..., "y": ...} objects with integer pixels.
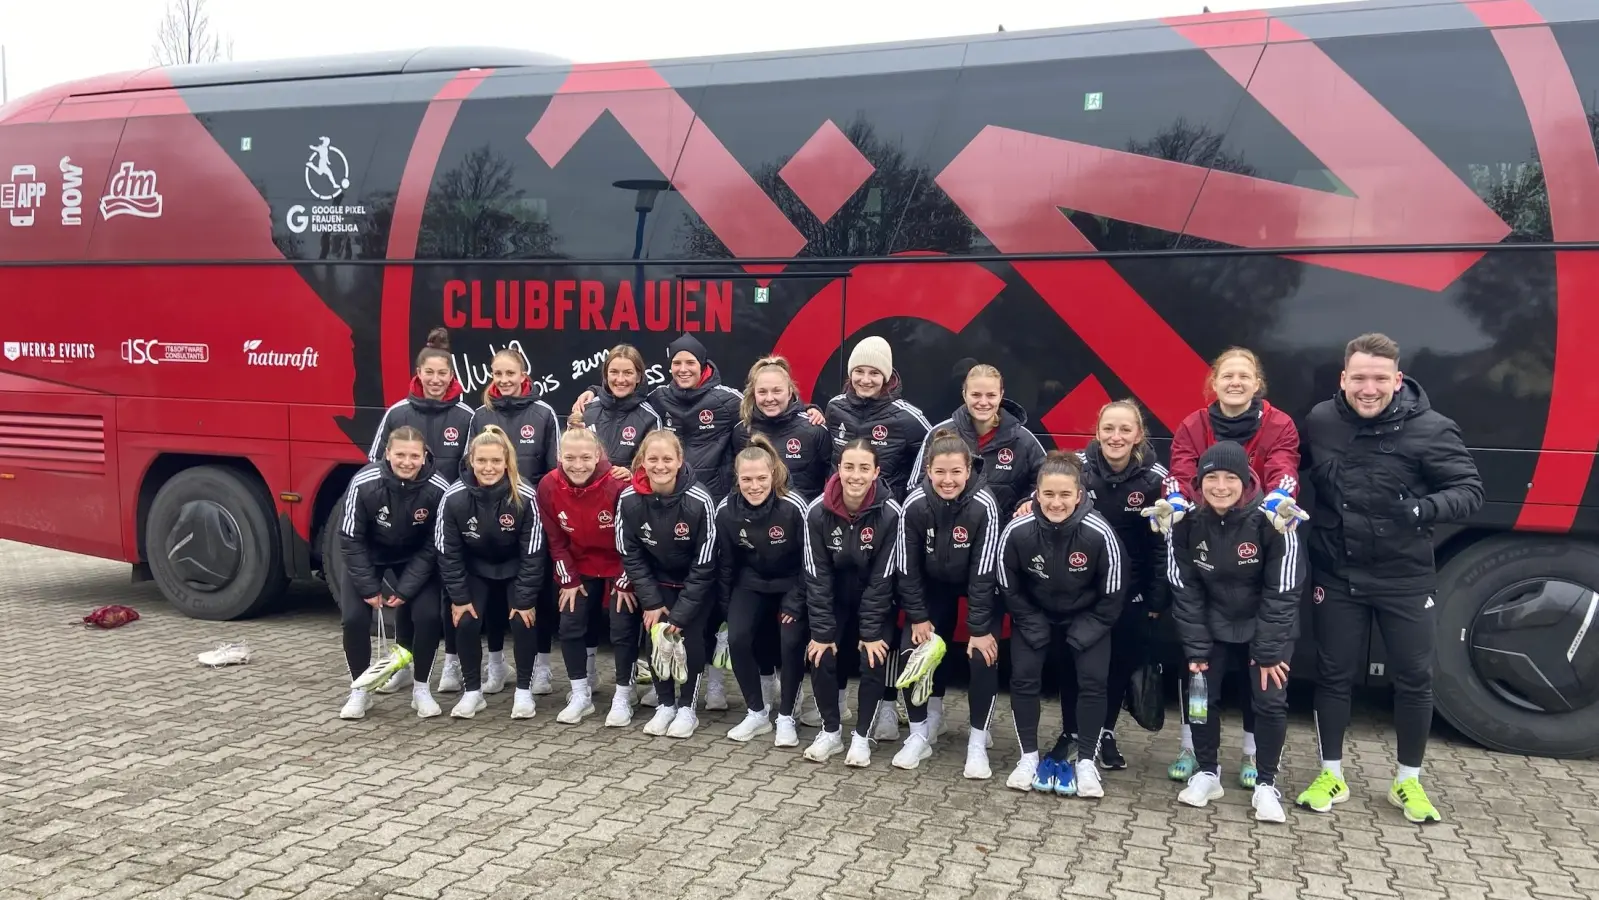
[{"x": 214, "y": 279}]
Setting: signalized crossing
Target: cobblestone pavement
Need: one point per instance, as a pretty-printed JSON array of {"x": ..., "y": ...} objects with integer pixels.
[{"x": 128, "y": 770}]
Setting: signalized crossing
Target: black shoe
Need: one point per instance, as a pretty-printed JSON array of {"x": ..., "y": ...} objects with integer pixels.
[
  {"x": 1065, "y": 748},
  {"x": 1109, "y": 755}
]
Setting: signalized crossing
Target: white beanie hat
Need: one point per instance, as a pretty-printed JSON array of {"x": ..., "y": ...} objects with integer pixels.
[{"x": 874, "y": 352}]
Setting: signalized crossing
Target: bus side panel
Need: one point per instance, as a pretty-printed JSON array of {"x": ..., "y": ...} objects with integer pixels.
[{"x": 58, "y": 473}]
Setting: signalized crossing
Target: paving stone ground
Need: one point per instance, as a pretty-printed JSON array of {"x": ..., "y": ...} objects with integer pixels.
[{"x": 128, "y": 770}]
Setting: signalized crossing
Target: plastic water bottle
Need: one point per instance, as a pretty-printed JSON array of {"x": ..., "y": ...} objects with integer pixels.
[{"x": 1198, "y": 699}]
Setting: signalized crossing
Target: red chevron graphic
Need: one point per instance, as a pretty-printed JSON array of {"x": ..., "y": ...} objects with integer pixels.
[{"x": 713, "y": 183}]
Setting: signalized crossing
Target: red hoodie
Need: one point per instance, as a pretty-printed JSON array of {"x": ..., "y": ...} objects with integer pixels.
[
  {"x": 581, "y": 524},
  {"x": 1273, "y": 451}
]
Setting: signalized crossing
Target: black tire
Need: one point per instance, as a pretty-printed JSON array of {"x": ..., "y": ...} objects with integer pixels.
[
  {"x": 332, "y": 556},
  {"x": 230, "y": 514},
  {"x": 1462, "y": 696}
]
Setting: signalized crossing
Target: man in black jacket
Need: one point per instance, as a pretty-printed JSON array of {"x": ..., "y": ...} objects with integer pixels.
[{"x": 1386, "y": 468}]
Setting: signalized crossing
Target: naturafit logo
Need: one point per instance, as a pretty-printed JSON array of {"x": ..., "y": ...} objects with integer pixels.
[{"x": 255, "y": 356}]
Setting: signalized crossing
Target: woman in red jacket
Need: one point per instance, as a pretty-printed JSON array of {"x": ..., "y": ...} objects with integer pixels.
[
  {"x": 1238, "y": 411},
  {"x": 577, "y": 503}
]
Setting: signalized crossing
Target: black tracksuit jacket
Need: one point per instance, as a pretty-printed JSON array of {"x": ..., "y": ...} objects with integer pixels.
[
  {"x": 806, "y": 449},
  {"x": 1121, "y": 498},
  {"x": 951, "y": 542},
  {"x": 762, "y": 548},
  {"x": 481, "y": 531},
  {"x": 388, "y": 523},
  {"x": 531, "y": 425},
  {"x": 668, "y": 540},
  {"x": 851, "y": 559},
  {"x": 1010, "y": 458},
  {"x": 1062, "y": 574}
]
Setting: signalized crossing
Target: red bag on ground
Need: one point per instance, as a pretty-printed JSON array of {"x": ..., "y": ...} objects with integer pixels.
[{"x": 111, "y": 616}]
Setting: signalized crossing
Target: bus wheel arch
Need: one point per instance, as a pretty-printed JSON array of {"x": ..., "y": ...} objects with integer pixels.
[
  {"x": 208, "y": 531},
  {"x": 1515, "y": 606}
]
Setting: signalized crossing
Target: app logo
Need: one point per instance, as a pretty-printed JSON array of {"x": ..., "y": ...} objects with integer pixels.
[
  {"x": 22, "y": 196},
  {"x": 273, "y": 359},
  {"x": 71, "y": 192},
  {"x": 149, "y": 351},
  {"x": 131, "y": 192}
]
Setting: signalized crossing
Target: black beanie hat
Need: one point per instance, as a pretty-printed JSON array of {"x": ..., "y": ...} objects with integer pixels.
[
  {"x": 1225, "y": 456},
  {"x": 689, "y": 343}
]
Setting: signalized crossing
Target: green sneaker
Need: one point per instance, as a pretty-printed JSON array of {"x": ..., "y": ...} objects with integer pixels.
[
  {"x": 1248, "y": 772},
  {"x": 1409, "y": 796},
  {"x": 1184, "y": 768},
  {"x": 1326, "y": 790}
]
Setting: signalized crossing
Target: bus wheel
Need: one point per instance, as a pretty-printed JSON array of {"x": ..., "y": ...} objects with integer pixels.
[
  {"x": 213, "y": 546},
  {"x": 1518, "y": 654}
]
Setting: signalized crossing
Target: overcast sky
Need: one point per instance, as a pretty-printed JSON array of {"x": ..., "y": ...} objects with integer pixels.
[{"x": 47, "y": 43}]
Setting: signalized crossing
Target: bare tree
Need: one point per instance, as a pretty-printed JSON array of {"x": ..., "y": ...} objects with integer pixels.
[{"x": 185, "y": 36}]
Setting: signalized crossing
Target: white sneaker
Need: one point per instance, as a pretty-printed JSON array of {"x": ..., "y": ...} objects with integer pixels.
[
  {"x": 355, "y": 708},
  {"x": 621, "y": 714},
  {"x": 860, "y": 751},
  {"x": 977, "y": 756},
  {"x": 451, "y": 680},
  {"x": 470, "y": 704},
  {"x": 400, "y": 679},
  {"x": 769, "y": 691},
  {"x": 541, "y": 675},
  {"x": 1202, "y": 788},
  {"x": 913, "y": 752},
  {"x": 1268, "y": 804},
  {"x": 579, "y": 705},
  {"x": 754, "y": 725},
  {"x": 522, "y": 707},
  {"x": 422, "y": 701},
  {"x": 787, "y": 734},
  {"x": 885, "y": 726},
  {"x": 1088, "y": 783},
  {"x": 226, "y": 655},
  {"x": 651, "y": 698},
  {"x": 810, "y": 714},
  {"x": 936, "y": 726},
  {"x": 494, "y": 676},
  {"x": 684, "y": 723},
  {"x": 662, "y": 720},
  {"x": 827, "y": 745},
  {"x": 715, "y": 690},
  {"x": 1021, "y": 777}
]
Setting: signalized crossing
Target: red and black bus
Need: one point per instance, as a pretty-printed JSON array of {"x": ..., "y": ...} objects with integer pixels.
[{"x": 214, "y": 278}]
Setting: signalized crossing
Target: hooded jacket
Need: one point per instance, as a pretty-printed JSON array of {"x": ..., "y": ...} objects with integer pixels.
[
  {"x": 481, "y": 531},
  {"x": 806, "y": 449},
  {"x": 895, "y": 428},
  {"x": 1273, "y": 449},
  {"x": 1235, "y": 579},
  {"x": 1011, "y": 453},
  {"x": 620, "y": 422},
  {"x": 850, "y": 561},
  {"x": 580, "y": 521},
  {"x": 762, "y": 548},
  {"x": 668, "y": 540},
  {"x": 951, "y": 542},
  {"x": 1068, "y": 574},
  {"x": 445, "y": 424},
  {"x": 703, "y": 417},
  {"x": 1381, "y": 485},
  {"x": 1121, "y": 498},
  {"x": 531, "y": 425},
  {"x": 388, "y": 523}
]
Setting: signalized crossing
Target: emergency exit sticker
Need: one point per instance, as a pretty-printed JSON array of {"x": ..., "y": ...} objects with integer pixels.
[
  {"x": 1093, "y": 101},
  {"x": 244, "y": 144},
  {"x": 763, "y": 294}
]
